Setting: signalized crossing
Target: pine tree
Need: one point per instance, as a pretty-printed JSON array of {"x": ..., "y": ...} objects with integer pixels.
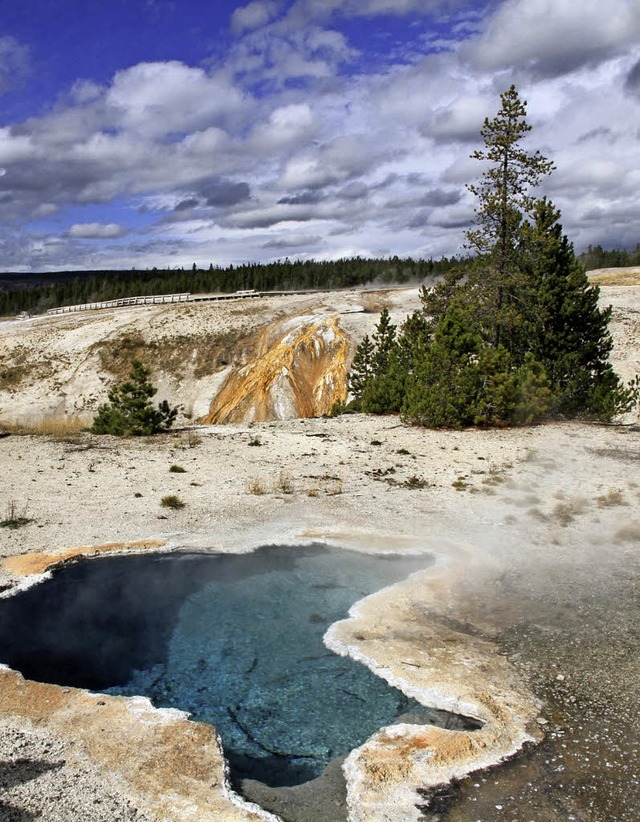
[
  {"x": 384, "y": 340},
  {"x": 129, "y": 411},
  {"x": 504, "y": 200},
  {"x": 361, "y": 368},
  {"x": 566, "y": 330}
]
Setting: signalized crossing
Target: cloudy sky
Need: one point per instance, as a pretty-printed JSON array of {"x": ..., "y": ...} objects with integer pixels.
[{"x": 165, "y": 132}]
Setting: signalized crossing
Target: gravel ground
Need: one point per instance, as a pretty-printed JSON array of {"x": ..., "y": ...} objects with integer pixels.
[{"x": 550, "y": 513}]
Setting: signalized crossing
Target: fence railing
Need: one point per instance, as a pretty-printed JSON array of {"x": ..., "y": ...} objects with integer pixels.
[
  {"x": 159, "y": 299},
  {"x": 149, "y": 299}
]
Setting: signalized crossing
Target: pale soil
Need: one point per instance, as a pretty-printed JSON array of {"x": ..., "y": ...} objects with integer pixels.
[
  {"x": 544, "y": 534},
  {"x": 537, "y": 530}
]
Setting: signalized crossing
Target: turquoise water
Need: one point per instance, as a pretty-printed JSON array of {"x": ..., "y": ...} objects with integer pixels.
[{"x": 234, "y": 640}]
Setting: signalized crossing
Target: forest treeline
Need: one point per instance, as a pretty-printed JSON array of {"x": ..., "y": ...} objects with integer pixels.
[
  {"x": 72, "y": 288},
  {"x": 596, "y": 257}
]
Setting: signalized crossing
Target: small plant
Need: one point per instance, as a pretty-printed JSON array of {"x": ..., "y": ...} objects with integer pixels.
[
  {"x": 172, "y": 501},
  {"x": 612, "y": 497},
  {"x": 193, "y": 439},
  {"x": 255, "y": 442},
  {"x": 415, "y": 482},
  {"x": 177, "y": 469},
  {"x": 495, "y": 477},
  {"x": 403, "y": 451},
  {"x": 459, "y": 484},
  {"x": 256, "y": 486},
  {"x": 376, "y": 442},
  {"x": 564, "y": 512},
  {"x": 137, "y": 495},
  {"x": 285, "y": 484},
  {"x": 15, "y": 517},
  {"x": 336, "y": 489}
]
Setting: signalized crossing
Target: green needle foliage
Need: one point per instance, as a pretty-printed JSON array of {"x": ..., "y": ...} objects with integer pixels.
[
  {"x": 129, "y": 412},
  {"x": 516, "y": 337}
]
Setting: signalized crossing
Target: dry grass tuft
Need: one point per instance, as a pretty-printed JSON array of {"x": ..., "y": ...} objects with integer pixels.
[
  {"x": 336, "y": 489},
  {"x": 256, "y": 487},
  {"x": 284, "y": 484},
  {"x": 565, "y": 512},
  {"x": 192, "y": 439},
  {"x": 615, "y": 276},
  {"x": 612, "y": 497},
  {"x": 50, "y": 426}
]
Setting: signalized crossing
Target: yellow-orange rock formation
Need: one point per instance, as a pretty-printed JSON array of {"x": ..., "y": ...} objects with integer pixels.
[{"x": 298, "y": 369}]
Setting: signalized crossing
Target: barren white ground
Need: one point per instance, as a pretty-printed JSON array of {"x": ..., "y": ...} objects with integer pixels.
[{"x": 537, "y": 535}]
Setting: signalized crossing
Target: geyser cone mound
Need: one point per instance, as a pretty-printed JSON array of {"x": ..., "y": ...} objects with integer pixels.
[{"x": 299, "y": 369}]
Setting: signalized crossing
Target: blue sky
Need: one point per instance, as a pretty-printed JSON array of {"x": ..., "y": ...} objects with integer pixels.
[{"x": 165, "y": 132}]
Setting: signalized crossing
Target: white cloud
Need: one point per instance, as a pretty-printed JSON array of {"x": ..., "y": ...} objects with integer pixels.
[
  {"x": 15, "y": 147},
  {"x": 157, "y": 99},
  {"x": 14, "y": 63},
  {"x": 552, "y": 37},
  {"x": 321, "y": 9},
  {"x": 253, "y": 16},
  {"x": 460, "y": 120},
  {"x": 336, "y": 162},
  {"x": 286, "y": 126},
  {"x": 44, "y": 210},
  {"x": 281, "y": 145},
  {"x": 85, "y": 91},
  {"x": 96, "y": 231}
]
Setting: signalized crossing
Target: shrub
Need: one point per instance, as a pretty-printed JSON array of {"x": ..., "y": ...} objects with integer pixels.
[
  {"x": 14, "y": 517},
  {"x": 130, "y": 412},
  {"x": 177, "y": 469},
  {"x": 256, "y": 487},
  {"x": 172, "y": 501},
  {"x": 285, "y": 484}
]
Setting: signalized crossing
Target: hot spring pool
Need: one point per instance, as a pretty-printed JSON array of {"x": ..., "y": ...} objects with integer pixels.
[{"x": 236, "y": 640}]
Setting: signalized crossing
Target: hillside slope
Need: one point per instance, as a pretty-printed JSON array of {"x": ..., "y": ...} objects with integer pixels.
[{"x": 237, "y": 361}]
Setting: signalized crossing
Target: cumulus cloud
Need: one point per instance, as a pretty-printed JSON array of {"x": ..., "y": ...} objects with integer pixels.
[
  {"x": 460, "y": 121},
  {"x": 335, "y": 162},
  {"x": 285, "y": 127},
  {"x": 553, "y": 37},
  {"x": 96, "y": 231},
  {"x": 157, "y": 99},
  {"x": 287, "y": 141}
]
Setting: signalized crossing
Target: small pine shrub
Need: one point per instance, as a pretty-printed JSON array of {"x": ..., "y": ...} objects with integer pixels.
[
  {"x": 172, "y": 501},
  {"x": 130, "y": 412}
]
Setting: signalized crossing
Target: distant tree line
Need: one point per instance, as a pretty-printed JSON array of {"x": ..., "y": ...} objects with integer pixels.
[
  {"x": 596, "y": 257},
  {"x": 72, "y": 288}
]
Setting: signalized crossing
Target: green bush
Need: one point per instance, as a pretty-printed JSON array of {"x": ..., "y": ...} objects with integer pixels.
[
  {"x": 172, "y": 501},
  {"x": 129, "y": 412}
]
